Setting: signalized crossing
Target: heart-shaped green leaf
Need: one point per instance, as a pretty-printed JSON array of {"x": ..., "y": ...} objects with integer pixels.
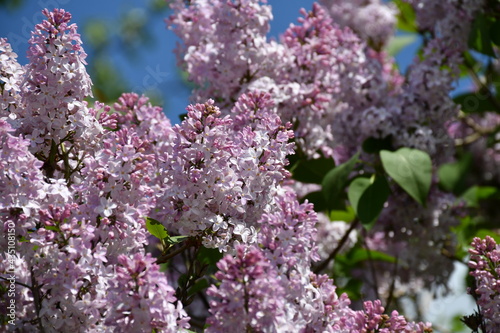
[
  {"x": 411, "y": 169},
  {"x": 156, "y": 228},
  {"x": 335, "y": 181},
  {"x": 367, "y": 196}
]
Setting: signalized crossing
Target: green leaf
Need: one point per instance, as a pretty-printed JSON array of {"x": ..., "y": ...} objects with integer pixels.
[
  {"x": 175, "y": 239},
  {"x": 482, "y": 233},
  {"x": 477, "y": 193},
  {"x": 335, "y": 181},
  {"x": 317, "y": 199},
  {"x": 352, "y": 289},
  {"x": 356, "y": 189},
  {"x": 183, "y": 116},
  {"x": 209, "y": 256},
  {"x": 406, "y": 17},
  {"x": 398, "y": 43},
  {"x": 479, "y": 38},
  {"x": 362, "y": 255},
  {"x": 475, "y": 102},
  {"x": 312, "y": 171},
  {"x": 495, "y": 32},
  {"x": 183, "y": 280},
  {"x": 22, "y": 239},
  {"x": 367, "y": 196},
  {"x": 411, "y": 169},
  {"x": 198, "y": 286},
  {"x": 347, "y": 215},
  {"x": 452, "y": 175},
  {"x": 373, "y": 145},
  {"x": 156, "y": 228}
]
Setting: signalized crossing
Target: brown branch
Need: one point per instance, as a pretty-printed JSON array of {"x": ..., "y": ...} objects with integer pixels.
[
  {"x": 372, "y": 269},
  {"x": 169, "y": 255},
  {"x": 479, "y": 131},
  {"x": 38, "y": 299},
  {"x": 16, "y": 282},
  {"x": 341, "y": 243},
  {"x": 390, "y": 297},
  {"x": 480, "y": 84}
]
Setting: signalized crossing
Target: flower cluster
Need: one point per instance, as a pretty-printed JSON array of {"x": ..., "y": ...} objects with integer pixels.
[
  {"x": 373, "y": 20},
  {"x": 142, "y": 299},
  {"x": 76, "y": 187},
  {"x": 373, "y": 319},
  {"x": 10, "y": 80},
  {"x": 224, "y": 45},
  {"x": 87, "y": 188},
  {"x": 223, "y": 174},
  {"x": 21, "y": 181},
  {"x": 54, "y": 115},
  {"x": 249, "y": 296},
  {"x": 485, "y": 265},
  {"x": 480, "y": 136},
  {"x": 318, "y": 71}
]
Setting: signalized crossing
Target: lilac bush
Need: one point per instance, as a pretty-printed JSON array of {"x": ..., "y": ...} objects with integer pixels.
[{"x": 309, "y": 187}]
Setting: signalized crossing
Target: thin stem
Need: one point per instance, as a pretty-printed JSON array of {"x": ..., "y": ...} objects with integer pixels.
[
  {"x": 393, "y": 285},
  {"x": 341, "y": 243},
  {"x": 372, "y": 269},
  {"x": 479, "y": 131},
  {"x": 38, "y": 300},
  {"x": 19, "y": 283},
  {"x": 167, "y": 256},
  {"x": 480, "y": 84}
]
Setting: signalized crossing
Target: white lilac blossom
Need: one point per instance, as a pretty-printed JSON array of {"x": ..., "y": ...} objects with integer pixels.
[
  {"x": 413, "y": 241},
  {"x": 21, "y": 181},
  {"x": 373, "y": 319},
  {"x": 224, "y": 45},
  {"x": 479, "y": 135},
  {"x": 445, "y": 19},
  {"x": 11, "y": 73},
  {"x": 118, "y": 187},
  {"x": 332, "y": 86},
  {"x": 336, "y": 90}
]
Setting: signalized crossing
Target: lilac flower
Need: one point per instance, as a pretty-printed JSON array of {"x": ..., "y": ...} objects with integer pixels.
[
  {"x": 222, "y": 175},
  {"x": 373, "y": 20},
  {"x": 140, "y": 298},
  {"x": 372, "y": 319},
  {"x": 55, "y": 85},
  {"x": 11, "y": 73},
  {"x": 105, "y": 208},
  {"x": 21, "y": 181},
  {"x": 485, "y": 265},
  {"x": 249, "y": 296}
]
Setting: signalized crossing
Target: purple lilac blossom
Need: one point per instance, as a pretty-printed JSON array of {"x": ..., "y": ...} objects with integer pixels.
[
  {"x": 223, "y": 174},
  {"x": 485, "y": 265},
  {"x": 76, "y": 224},
  {"x": 374, "y": 21},
  {"x": 55, "y": 85}
]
